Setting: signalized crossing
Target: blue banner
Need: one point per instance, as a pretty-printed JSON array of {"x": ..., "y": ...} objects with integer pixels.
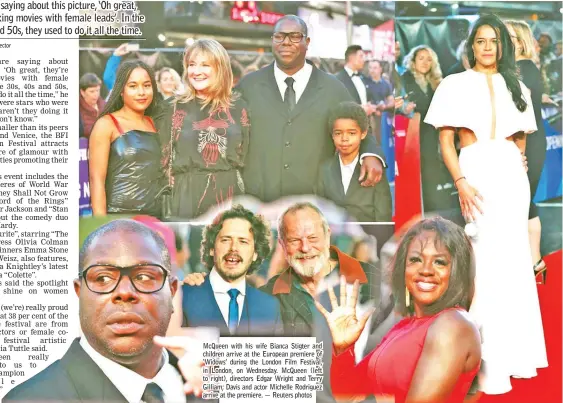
[
  {"x": 388, "y": 144},
  {"x": 84, "y": 203},
  {"x": 551, "y": 177}
]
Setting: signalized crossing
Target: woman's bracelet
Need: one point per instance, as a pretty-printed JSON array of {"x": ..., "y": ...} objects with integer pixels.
[{"x": 457, "y": 180}]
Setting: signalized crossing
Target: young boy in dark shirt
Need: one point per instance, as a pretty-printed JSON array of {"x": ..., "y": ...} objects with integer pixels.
[{"x": 339, "y": 177}]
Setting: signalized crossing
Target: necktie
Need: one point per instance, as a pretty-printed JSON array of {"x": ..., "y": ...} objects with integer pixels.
[
  {"x": 233, "y": 310},
  {"x": 289, "y": 97},
  {"x": 355, "y": 75},
  {"x": 153, "y": 394}
]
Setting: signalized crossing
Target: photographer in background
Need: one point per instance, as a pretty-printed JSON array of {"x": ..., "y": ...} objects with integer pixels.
[{"x": 90, "y": 103}]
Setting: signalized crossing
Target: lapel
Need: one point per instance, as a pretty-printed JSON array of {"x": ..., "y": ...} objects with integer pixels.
[
  {"x": 349, "y": 84},
  {"x": 337, "y": 175},
  {"x": 311, "y": 94},
  {"x": 271, "y": 91},
  {"x": 203, "y": 307},
  {"x": 243, "y": 328},
  {"x": 354, "y": 183},
  {"x": 273, "y": 96},
  {"x": 90, "y": 383},
  {"x": 294, "y": 301},
  {"x": 214, "y": 313}
]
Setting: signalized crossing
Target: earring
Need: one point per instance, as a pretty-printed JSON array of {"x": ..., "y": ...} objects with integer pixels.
[{"x": 407, "y": 297}]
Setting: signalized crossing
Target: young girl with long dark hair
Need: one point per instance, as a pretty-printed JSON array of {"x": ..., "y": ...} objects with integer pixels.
[{"x": 126, "y": 175}]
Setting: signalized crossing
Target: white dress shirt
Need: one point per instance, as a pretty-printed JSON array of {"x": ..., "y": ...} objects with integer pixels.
[
  {"x": 347, "y": 171},
  {"x": 132, "y": 385},
  {"x": 301, "y": 79},
  {"x": 221, "y": 287},
  {"x": 359, "y": 84}
]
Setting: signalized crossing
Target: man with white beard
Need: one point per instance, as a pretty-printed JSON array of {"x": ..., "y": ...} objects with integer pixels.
[{"x": 314, "y": 266}]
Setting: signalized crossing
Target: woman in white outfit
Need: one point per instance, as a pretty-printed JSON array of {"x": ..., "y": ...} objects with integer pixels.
[{"x": 491, "y": 111}]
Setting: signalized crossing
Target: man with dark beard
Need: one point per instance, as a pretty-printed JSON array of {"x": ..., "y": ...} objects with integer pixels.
[
  {"x": 234, "y": 245},
  {"x": 314, "y": 266}
]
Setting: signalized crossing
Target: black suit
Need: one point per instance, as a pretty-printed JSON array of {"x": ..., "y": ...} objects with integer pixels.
[
  {"x": 287, "y": 148},
  {"x": 434, "y": 173},
  {"x": 345, "y": 79},
  {"x": 365, "y": 204},
  {"x": 75, "y": 377}
]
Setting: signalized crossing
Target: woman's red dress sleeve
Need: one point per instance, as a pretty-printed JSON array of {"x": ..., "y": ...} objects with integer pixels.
[{"x": 348, "y": 379}]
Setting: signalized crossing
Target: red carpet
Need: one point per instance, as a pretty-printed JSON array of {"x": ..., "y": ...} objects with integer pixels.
[{"x": 546, "y": 387}]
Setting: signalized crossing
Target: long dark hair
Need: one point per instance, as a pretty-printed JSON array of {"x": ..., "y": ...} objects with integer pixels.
[
  {"x": 115, "y": 101},
  {"x": 462, "y": 275},
  {"x": 506, "y": 62}
]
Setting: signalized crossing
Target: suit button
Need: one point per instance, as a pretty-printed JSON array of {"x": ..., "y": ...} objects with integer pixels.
[
  {"x": 289, "y": 122},
  {"x": 287, "y": 143},
  {"x": 286, "y": 166}
]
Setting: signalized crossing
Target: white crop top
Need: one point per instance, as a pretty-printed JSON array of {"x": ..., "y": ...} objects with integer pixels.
[{"x": 464, "y": 100}]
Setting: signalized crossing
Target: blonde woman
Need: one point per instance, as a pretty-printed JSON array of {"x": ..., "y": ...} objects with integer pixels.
[
  {"x": 523, "y": 41},
  {"x": 168, "y": 82},
  {"x": 210, "y": 129},
  {"x": 421, "y": 77}
]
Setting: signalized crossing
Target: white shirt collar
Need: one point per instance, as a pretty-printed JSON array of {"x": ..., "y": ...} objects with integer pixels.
[
  {"x": 347, "y": 172},
  {"x": 350, "y": 166},
  {"x": 349, "y": 71},
  {"x": 132, "y": 385},
  {"x": 301, "y": 79},
  {"x": 221, "y": 286}
]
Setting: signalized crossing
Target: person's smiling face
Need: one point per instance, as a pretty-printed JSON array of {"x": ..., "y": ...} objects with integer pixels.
[
  {"x": 427, "y": 270},
  {"x": 234, "y": 252},
  {"x": 202, "y": 73}
]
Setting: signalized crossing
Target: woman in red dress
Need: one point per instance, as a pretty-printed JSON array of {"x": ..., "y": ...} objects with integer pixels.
[{"x": 433, "y": 354}]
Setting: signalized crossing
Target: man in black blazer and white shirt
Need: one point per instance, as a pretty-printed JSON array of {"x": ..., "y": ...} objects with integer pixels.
[
  {"x": 359, "y": 86},
  {"x": 352, "y": 78},
  {"x": 125, "y": 291},
  {"x": 289, "y": 103}
]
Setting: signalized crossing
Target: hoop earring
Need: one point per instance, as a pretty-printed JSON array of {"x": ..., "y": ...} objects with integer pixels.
[{"x": 407, "y": 297}]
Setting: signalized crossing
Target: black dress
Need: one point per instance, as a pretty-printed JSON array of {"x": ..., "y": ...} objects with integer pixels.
[
  {"x": 208, "y": 151},
  {"x": 536, "y": 143},
  {"x": 134, "y": 177},
  {"x": 437, "y": 189}
]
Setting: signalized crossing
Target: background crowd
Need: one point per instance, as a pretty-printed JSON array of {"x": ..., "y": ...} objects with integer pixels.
[{"x": 209, "y": 156}]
